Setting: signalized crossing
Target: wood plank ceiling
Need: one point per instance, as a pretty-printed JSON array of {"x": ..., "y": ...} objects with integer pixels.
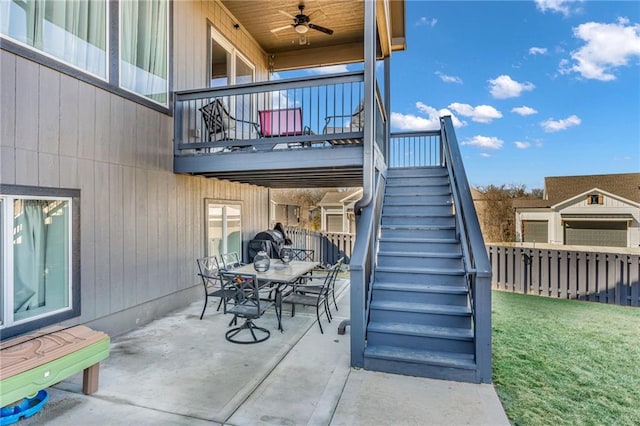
[{"x": 345, "y": 18}]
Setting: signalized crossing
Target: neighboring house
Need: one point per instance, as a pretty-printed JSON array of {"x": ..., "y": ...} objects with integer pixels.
[
  {"x": 283, "y": 211},
  {"x": 336, "y": 210},
  {"x": 595, "y": 210}
]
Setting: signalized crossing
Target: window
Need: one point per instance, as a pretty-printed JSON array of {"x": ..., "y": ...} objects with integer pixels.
[
  {"x": 144, "y": 48},
  {"x": 40, "y": 276},
  {"x": 133, "y": 59},
  {"x": 223, "y": 228},
  {"x": 74, "y": 32},
  {"x": 595, "y": 199}
]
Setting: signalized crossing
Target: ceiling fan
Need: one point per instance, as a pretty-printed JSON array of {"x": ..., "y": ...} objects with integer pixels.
[{"x": 301, "y": 24}]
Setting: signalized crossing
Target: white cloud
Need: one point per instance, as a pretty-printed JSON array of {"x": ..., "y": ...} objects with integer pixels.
[
  {"x": 449, "y": 78},
  {"x": 479, "y": 114},
  {"x": 607, "y": 47},
  {"x": 431, "y": 120},
  {"x": 487, "y": 142},
  {"x": 522, "y": 145},
  {"x": 552, "y": 125},
  {"x": 566, "y": 7},
  {"x": 623, "y": 158},
  {"x": 330, "y": 69},
  {"x": 524, "y": 110},
  {"x": 537, "y": 50},
  {"x": 431, "y": 22},
  {"x": 485, "y": 155},
  {"x": 504, "y": 87}
]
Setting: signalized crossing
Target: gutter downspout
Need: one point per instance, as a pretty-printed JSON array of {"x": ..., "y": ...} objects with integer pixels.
[{"x": 369, "y": 102}]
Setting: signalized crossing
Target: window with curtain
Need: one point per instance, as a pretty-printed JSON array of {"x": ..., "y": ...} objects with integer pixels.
[
  {"x": 224, "y": 228},
  {"x": 72, "y": 31},
  {"x": 144, "y": 48},
  {"x": 38, "y": 265}
]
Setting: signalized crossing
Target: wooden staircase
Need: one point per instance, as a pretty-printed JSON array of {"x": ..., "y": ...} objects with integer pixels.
[{"x": 420, "y": 320}]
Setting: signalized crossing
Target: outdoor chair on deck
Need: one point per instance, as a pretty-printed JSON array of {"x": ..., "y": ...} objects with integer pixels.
[
  {"x": 210, "y": 274},
  {"x": 299, "y": 297},
  {"x": 283, "y": 122},
  {"x": 301, "y": 254},
  {"x": 247, "y": 305},
  {"x": 222, "y": 126},
  {"x": 337, "y": 124}
]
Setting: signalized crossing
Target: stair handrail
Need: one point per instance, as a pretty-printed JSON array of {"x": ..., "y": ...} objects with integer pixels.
[
  {"x": 362, "y": 270},
  {"x": 477, "y": 265}
]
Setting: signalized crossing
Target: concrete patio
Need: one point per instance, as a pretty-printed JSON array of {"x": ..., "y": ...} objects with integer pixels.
[{"x": 179, "y": 370}]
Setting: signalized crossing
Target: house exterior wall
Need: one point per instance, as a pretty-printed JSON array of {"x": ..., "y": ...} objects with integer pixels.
[{"x": 142, "y": 226}]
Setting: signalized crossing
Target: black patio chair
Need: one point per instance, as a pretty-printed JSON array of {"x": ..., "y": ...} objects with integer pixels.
[
  {"x": 231, "y": 261},
  {"x": 210, "y": 275},
  {"x": 247, "y": 305},
  {"x": 302, "y": 254},
  {"x": 299, "y": 297},
  {"x": 311, "y": 288}
]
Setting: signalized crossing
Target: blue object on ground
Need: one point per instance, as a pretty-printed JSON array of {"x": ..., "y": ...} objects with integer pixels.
[{"x": 25, "y": 408}]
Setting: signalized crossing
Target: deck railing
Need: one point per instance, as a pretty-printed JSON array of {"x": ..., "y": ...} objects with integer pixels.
[
  {"x": 328, "y": 247},
  {"x": 604, "y": 277},
  {"x": 476, "y": 261},
  {"x": 415, "y": 149},
  {"x": 300, "y": 112}
]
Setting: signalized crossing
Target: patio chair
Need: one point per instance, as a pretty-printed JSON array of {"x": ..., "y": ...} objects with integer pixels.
[
  {"x": 283, "y": 122},
  {"x": 209, "y": 273},
  {"x": 336, "y": 124},
  {"x": 222, "y": 126},
  {"x": 231, "y": 261},
  {"x": 299, "y": 297},
  {"x": 247, "y": 305},
  {"x": 302, "y": 254},
  {"x": 311, "y": 288}
]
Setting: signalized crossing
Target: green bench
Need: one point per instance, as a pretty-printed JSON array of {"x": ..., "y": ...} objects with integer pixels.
[{"x": 38, "y": 360}]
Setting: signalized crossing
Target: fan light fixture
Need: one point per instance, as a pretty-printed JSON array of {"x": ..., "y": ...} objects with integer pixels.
[{"x": 301, "y": 28}]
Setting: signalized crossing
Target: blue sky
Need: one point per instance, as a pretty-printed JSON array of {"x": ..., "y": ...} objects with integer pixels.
[{"x": 535, "y": 88}]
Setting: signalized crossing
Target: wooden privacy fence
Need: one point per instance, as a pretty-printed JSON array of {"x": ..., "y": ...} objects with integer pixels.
[
  {"x": 592, "y": 276},
  {"x": 328, "y": 246}
]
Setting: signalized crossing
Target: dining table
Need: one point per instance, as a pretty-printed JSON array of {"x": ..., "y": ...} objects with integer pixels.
[{"x": 279, "y": 275}]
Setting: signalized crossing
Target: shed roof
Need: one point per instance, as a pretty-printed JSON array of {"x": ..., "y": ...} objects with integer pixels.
[{"x": 560, "y": 188}]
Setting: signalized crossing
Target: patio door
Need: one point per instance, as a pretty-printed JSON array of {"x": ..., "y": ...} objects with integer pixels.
[
  {"x": 223, "y": 228},
  {"x": 228, "y": 66}
]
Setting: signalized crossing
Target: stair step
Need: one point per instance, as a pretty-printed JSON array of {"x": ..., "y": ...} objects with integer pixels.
[
  {"x": 439, "y": 255},
  {"x": 425, "y": 308},
  {"x": 442, "y": 359},
  {"x": 418, "y": 182},
  {"x": 420, "y": 288},
  {"x": 421, "y": 330},
  {"x": 417, "y": 171},
  {"x": 431, "y": 271},
  {"x": 419, "y": 227}
]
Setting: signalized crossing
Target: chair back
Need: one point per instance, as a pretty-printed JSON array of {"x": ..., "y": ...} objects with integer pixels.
[
  {"x": 246, "y": 293},
  {"x": 230, "y": 260},
  {"x": 209, "y": 271},
  {"x": 357, "y": 118},
  {"x": 302, "y": 254},
  {"x": 281, "y": 122},
  {"x": 216, "y": 118}
]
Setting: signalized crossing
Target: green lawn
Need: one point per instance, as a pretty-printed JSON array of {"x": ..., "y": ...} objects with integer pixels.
[{"x": 566, "y": 362}]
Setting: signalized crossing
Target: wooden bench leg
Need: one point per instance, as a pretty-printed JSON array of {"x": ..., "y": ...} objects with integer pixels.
[{"x": 90, "y": 379}]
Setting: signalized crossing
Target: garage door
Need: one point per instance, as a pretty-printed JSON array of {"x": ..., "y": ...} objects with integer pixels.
[
  {"x": 334, "y": 223},
  {"x": 535, "y": 231},
  {"x": 595, "y": 233}
]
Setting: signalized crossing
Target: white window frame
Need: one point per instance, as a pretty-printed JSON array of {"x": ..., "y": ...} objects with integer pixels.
[
  {"x": 208, "y": 202},
  {"x": 234, "y": 54},
  {"x": 8, "y": 194},
  {"x": 106, "y": 77}
]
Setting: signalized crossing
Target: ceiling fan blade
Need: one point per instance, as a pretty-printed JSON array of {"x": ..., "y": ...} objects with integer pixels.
[
  {"x": 321, "y": 29},
  {"x": 287, "y": 14},
  {"x": 275, "y": 30}
]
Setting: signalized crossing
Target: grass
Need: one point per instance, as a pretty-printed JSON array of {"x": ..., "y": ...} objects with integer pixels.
[{"x": 566, "y": 362}]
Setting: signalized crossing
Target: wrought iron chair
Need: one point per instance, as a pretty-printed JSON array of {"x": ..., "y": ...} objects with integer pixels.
[
  {"x": 300, "y": 297},
  {"x": 222, "y": 126},
  {"x": 247, "y": 305},
  {"x": 210, "y": 275},
  {"x": 312, "y": 288},
  {"x": 231, "y": 261},
  {"x": 302, "y": 254},
  {"x": 336, "y": 124}
]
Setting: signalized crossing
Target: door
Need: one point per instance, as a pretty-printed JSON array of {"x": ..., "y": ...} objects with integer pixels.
[{"x": 595, "y": 233}]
